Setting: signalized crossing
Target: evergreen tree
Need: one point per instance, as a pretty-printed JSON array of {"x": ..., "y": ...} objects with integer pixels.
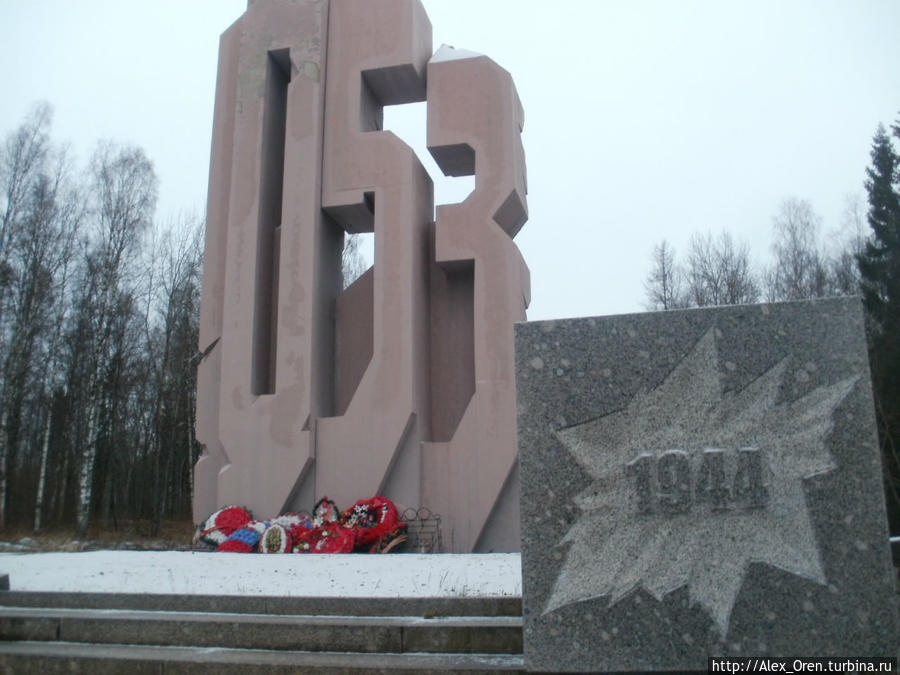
[{"x": 879, "y": 266}]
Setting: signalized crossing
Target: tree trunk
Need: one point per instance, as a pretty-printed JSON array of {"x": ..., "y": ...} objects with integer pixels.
[
  {"x": 42, "y": 473},
  {"x": 3, "y": 466},
  {"x": 190, "y": 458},
  {"x": 86, "y": 473},
  {"x": 63, "y": 487},
  {"x": 107, "y": 501},
  {"x": 157, "y": 488}
]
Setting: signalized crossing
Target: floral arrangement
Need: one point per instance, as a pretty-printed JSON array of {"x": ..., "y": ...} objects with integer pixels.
[{"x": 371, "y": 525}]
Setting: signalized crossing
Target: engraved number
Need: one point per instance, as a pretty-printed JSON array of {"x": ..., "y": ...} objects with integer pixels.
[
  {"x": 668, "y": 483},
  {"x": 673, "y": 473},
  {"x": 712, "y": 486},
  {"x": 748, "y": 479},
  {"x": 639, "y": 469}
]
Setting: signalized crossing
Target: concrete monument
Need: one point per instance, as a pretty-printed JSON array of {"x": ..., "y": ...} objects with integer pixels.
[
  {"x": 699, "y": 483},
  {"x": 403, "y": 383}
]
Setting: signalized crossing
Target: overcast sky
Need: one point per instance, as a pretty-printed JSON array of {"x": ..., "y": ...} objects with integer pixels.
[{"x": 643, "y": 120}]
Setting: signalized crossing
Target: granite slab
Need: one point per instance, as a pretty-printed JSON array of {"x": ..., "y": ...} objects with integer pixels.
[{"x": 699, "y": 483}]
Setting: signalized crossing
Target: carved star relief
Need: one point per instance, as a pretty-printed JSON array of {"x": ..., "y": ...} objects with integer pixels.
[{"x": 617, "y": 547}]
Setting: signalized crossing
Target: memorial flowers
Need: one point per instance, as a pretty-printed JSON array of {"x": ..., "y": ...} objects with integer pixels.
[{"x": 370, "y": 525}]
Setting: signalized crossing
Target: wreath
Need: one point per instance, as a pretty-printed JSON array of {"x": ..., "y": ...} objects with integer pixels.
[{"x": 371, "y": 525}]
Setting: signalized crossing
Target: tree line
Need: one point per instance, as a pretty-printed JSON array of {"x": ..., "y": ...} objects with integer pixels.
[
  {"x": 862, "y": 258},
  {"x": 98, "y": 335},
  {"x": 99, "y": 314}
]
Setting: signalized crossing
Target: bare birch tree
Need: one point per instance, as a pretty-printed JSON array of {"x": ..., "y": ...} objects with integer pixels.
[
  {"x": 848, "y": 242},
  {"x": 663, "y": 286},
  {"x": 97, "y": 387},
  {"x": 719, "y": 272},
  {"x": 800, "y": 268},
  {"x": 40, "y": 220},
  {"x": 172, "y": 328},
  {"x": 124, "y": 187}
]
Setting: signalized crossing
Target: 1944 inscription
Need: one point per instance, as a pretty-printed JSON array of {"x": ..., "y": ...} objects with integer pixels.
[{"x": 674, "y": 481}]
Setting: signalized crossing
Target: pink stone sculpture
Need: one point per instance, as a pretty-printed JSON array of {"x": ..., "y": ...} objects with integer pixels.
[
  {"x": 481, "y": 288},
  {"x": 403, "y": 383}
]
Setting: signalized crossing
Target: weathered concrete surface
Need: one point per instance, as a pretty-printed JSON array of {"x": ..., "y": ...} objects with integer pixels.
[
  {"x": 402, "y": 384},
  {"x": 285, "y": 605},
  {"x": 472, "y": 634},
  {"x": 45, "y": 658},
  {"x": 480, "y": 288},
  {"x": 271, "y": 263},
  {"x": 372, "y": 181},
  {"x": 44, "y": 633}
]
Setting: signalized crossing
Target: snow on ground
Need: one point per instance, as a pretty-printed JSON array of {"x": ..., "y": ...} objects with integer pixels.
[{"x": 200, "y": 573}]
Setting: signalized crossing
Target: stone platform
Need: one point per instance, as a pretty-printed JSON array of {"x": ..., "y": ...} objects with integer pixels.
[
  {"x": 202, "y": 573},
  {"x": 153, "y": 612}
]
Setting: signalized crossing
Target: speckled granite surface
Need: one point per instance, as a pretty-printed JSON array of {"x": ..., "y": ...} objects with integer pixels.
[{"x": 701, "y": 482}]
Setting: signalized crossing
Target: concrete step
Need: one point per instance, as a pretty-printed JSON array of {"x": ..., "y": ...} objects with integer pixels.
[
  {"x": 254, "y": 604},
  {"x": 386, "y": 634},
  {"x": 102, "y": 659},
  {"x": 137, "y": 633}
]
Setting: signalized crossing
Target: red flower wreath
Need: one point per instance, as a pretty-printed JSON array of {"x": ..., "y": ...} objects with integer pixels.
[
  {"x": 325, "y": 511},
  {"x": 222, "y": 524},
  {"x": 371, "y": 519},
  {"x": 298, "y": 525},
  {"x": 329, "y": 539},
  {"x": 370, "y": 524}
]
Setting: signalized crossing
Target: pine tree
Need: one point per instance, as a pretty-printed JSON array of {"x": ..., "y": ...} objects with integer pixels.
[{"x": 879, "y": 266}]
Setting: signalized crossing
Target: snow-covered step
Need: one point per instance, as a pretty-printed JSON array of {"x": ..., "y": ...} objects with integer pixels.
[
  {"x": 395, "y": 575},
  {"x": 115, "y": 612}
]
